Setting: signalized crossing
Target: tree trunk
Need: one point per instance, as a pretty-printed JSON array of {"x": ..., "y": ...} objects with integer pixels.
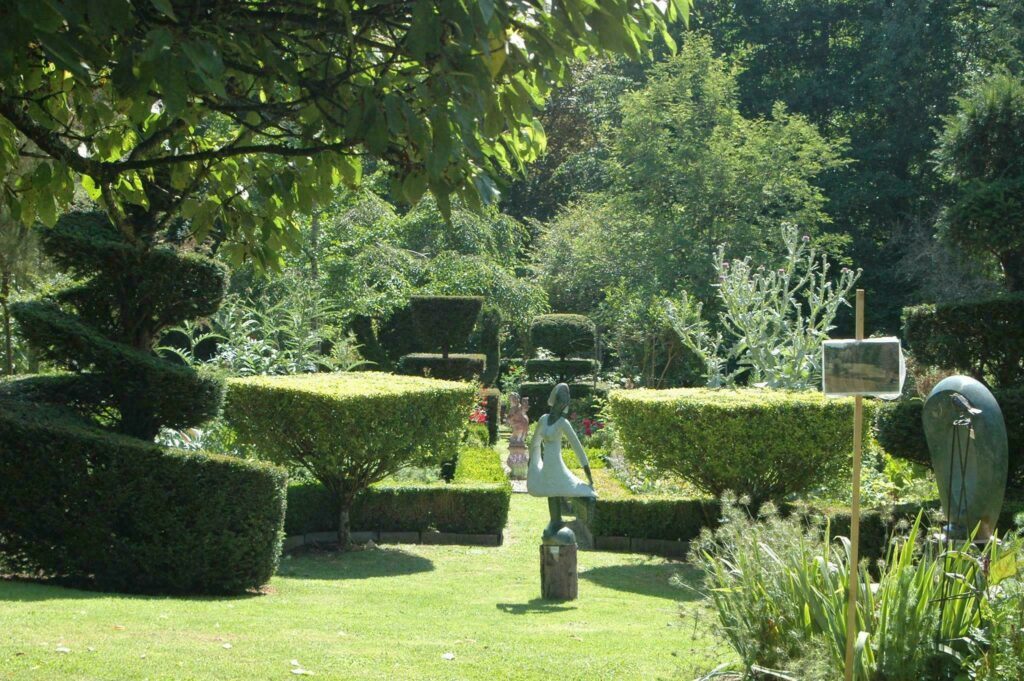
[
  {"x": 5, "y": 293},
  {"x": 314, "y": 247},
  {"x": 344, "y": 530}
]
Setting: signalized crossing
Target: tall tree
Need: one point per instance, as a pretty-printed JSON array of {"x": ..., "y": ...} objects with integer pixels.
[
  {"x": 981, "y": 153},
  {"x": 234, "y": 114}
]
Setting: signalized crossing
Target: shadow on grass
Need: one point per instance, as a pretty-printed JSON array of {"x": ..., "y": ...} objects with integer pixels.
[
  {"x": 25, "y": 589},
  {"x": 354, "y": 565},
  {"x": 673, "y": 581},
  {"x": 536, "y": 606}
]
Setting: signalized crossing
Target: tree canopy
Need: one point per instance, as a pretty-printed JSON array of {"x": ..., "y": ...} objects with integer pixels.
[{"x": 234, "y": 114}]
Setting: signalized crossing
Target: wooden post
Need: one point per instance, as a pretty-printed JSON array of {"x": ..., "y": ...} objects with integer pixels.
[
  {"x": 558, "y": 579},
  {"x": 858, "y": 427}
]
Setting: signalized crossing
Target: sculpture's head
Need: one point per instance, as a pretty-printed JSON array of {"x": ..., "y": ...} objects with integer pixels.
[{"x": 559, "y": 401}]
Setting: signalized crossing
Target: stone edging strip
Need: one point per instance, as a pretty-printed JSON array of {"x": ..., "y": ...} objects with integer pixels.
[{"x": 431, "y": 538}]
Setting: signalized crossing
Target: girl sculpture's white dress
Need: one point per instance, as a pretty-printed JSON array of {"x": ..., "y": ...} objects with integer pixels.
[{"x": 548, "y": 476}]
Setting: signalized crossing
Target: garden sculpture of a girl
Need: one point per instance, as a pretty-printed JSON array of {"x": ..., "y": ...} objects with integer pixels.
[{"x": 548, "y": 475}]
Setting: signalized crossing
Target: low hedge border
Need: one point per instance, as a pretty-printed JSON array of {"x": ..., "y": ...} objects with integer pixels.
[
  {"x": 665, "y": 526},
  {"x": 117, "y": 513},
  {"x": 475, "y": 503}
]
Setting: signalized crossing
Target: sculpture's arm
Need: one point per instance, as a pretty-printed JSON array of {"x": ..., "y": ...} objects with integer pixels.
[
  {"x": 535, "y": 449},
  {"x": 577, "y": 448}
]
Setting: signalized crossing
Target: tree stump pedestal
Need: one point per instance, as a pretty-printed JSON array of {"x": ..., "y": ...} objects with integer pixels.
[{"x": 558, "y": 579}]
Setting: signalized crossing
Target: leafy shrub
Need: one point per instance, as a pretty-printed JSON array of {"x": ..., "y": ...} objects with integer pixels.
[
  {"x": 123, "y": 514},
  {"x": 775, "y": 320},
  {"x": 349, "y": 430},
  {"x": 561, "y": 370},
  {"x": 900, "y": 431},
  {"x": 477, "y": 502},
  {"x": 454, "y": 367},
  {"x": 444, "y": 322},
  {"x": 767, "y": 444},
  {"x": 983, "y": 338},
  {"x": 563, "y": 334},
  {"x": 780, "y": 589}
]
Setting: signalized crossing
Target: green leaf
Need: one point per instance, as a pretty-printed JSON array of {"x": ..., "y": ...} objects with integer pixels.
[
  {"x": 90, "y": 187},
  {"x": 164, "y": 7}
]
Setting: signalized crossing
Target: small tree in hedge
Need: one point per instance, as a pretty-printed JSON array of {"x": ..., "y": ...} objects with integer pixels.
[
  {"x": 981, "y": 152},
  {"x": 104, "y": 329},
  {"x": 349, "y": 430}
]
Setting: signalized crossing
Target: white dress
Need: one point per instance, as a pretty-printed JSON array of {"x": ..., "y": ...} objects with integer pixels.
[{"x": 548, "y": 477}]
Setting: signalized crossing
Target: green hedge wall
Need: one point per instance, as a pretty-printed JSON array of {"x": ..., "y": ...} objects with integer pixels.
[
  {"x": 561, "y": 370},
  {"x": 655, "y": 517},
  {"x": 122, "y": 514},
  {"x": 477, "y": 502},
  {"x": 766, "y": 444},
  {"x": 454, "y": 367},
  {"x": 563, "y": 334},
  {"x": 984, "y": 338},
  {"x": 900, "y": 432},
  {"x": 677, "y": 519}
]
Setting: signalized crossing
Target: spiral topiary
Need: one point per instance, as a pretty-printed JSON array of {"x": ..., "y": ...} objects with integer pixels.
[
  {"x": 90, "y": 497},
  {"x": 104, "y": 329}
]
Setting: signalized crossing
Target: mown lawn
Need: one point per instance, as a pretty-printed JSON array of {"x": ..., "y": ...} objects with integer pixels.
[{"x": 390, "y": 613}]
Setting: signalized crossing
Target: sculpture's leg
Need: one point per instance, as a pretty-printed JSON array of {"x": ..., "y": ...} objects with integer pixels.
[{"x": 555, "y": 510}]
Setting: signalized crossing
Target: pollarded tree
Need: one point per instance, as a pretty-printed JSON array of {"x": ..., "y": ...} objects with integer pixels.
[
  {"x": 235, "y": 114},
  {"x": 981, "y": 152}
]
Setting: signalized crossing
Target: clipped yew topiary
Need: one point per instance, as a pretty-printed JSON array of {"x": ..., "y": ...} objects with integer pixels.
[
  {"x": 564, "y": 335},
  {"x": 349, "y": 430},
  {"x": 983, "y": 338},
  {"x": 444, "y": 322},
  {"x": 765, "y": 444},
  {"x": 85, "y": 493},
  {"x": 455, "y": 367},
  {"x": 560, "y": 370}
]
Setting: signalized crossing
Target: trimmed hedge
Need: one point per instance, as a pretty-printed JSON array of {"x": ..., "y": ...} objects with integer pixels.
[
  {"x": 476, "y": 503},
  {"x": 984, "y": 338},
  {"x": 444, "y": 322},
  {"x": 122, "y": 514},
  {"x": 678, "y": 519},
  {"x": 349, "y": 430},
  {"x": 490, "y": 343},
  {"x": 454, "y": 367},
  {"x": 900, "y": 431},
  {"x": 767, "y": 444},
  {"x": 561, "y": 370},
  {"x": 655, "y": 517},
  {"x": 563, "y": 334},
  {"x": 583, "y": 398}
]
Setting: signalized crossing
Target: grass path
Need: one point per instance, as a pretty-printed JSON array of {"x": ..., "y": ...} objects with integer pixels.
[{"x": 391, "y": 613}]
